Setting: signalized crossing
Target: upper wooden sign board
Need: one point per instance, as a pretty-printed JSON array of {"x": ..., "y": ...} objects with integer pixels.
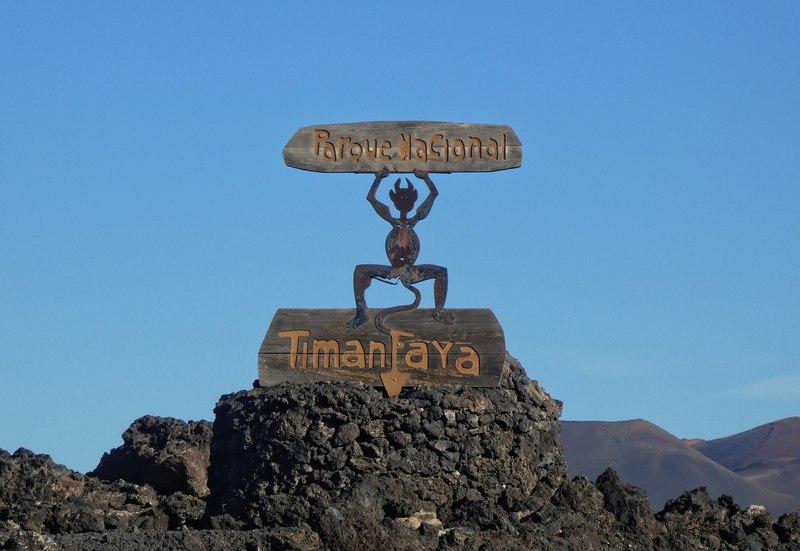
[{"x": 404, "y": 147}]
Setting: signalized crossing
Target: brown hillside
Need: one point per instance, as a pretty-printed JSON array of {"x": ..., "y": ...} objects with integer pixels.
[
  {"x": 664, "y": 465},
  {"x": 768, "y": 455}
]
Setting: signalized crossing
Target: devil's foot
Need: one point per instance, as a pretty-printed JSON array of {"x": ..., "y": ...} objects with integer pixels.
[
  {"x": 380, "y": 326},
  {"x": 360, "y": 319},
  {"x": 447, "y": 318}
]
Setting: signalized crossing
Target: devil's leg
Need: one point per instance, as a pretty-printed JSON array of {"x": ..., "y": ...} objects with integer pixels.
[
  {"x": 362, "y": 278},
  {"x": 439, "y": 275}
]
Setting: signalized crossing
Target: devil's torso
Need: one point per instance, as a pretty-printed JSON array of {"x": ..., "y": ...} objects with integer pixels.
[{"x": 402, "y": 245}]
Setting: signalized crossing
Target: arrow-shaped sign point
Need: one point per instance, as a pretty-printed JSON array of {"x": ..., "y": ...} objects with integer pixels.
[{"x": 393, "y": 381}]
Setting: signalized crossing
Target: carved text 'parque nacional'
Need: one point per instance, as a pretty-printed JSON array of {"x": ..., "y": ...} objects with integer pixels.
[
  {"x": 409, "y": 147},
  {"x": 403, "y": 147}
]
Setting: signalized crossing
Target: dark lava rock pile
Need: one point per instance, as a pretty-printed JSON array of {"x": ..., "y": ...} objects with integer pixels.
[
  {"x": 456, "y": 456},
  {"x": 339, "y": 466}
]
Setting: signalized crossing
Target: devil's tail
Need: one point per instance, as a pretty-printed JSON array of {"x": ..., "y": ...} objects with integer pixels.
[{"x": 394, "y": 309}]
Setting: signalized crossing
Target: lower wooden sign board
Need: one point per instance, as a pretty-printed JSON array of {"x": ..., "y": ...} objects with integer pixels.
[{"x": 306, "y": 345}]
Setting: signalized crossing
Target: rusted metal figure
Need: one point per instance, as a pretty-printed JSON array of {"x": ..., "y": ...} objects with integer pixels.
[{"x": 402, "y": 249}]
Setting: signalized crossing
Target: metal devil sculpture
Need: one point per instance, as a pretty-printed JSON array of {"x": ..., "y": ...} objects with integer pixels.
[{"x": 402, "y": 249}]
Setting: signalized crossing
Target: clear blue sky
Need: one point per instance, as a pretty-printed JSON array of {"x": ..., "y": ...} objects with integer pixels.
[{"x": 644, "y": 261}]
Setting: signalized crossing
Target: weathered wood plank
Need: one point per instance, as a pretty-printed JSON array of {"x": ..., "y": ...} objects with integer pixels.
[
  {"x": 403, "y": 146},
  {"x": 305, "y": 345}
]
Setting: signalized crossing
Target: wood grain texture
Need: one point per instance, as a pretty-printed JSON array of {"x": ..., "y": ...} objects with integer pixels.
[
  {"x": 403, "y": 146},
  {"x": 305, "y": 345}
]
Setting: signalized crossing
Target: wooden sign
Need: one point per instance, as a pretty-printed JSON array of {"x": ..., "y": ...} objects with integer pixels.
[
  {"x": 403, "y": 147},
  {"x": 313, "y": 345}
]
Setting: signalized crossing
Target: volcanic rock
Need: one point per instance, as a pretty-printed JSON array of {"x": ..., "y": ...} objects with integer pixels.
[
  {"x": 38, "y": 495},
  {"x": 338, "y": 466},
  {"x": 168, "y": 454},
  {"x": 471, "y": 456}
]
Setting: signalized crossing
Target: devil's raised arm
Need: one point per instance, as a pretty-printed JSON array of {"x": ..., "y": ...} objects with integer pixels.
[
  {"x": 382, "y": 210},
  {"x": 427, "y": 204}
]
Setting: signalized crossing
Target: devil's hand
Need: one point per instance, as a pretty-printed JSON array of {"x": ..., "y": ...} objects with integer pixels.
[
  {"x": 419, "y": 173},
  {"x": 383, "y": 173}
]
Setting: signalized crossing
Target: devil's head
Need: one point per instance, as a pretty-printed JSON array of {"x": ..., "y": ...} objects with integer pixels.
[{"x": 403, "y": 198}]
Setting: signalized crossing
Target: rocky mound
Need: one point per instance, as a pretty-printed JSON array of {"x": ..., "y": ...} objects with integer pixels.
[
  {"x": 40, "y": 496},
  {"x": 457, "y": 455},
  {"x": 168, "y": 454},
  {"x": 339, "y": 466}
]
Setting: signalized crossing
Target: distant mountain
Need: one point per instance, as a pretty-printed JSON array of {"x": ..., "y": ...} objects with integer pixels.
[
  {"x": 664, "y": 465},
  {"x": 768, "y": 455}
]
